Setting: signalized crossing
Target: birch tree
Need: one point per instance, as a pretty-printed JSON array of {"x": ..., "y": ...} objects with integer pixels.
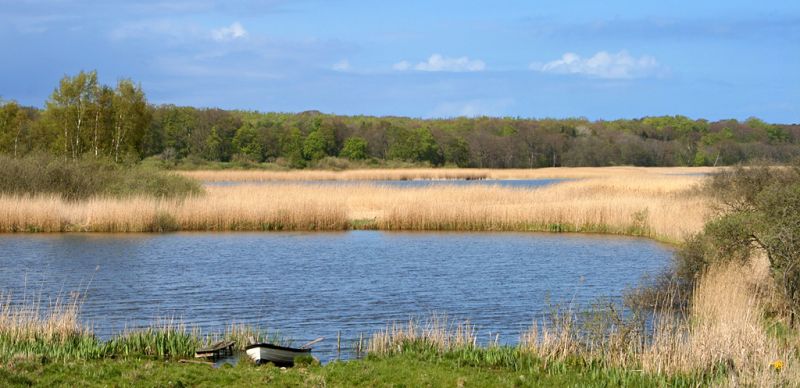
[
  {"x": 13, "y": 121},
  {"x": 131, "y": 117},
  {"x": 69, "y": 107}
]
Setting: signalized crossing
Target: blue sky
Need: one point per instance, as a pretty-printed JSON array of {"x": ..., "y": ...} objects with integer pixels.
[{"x": 597, "y": 59}]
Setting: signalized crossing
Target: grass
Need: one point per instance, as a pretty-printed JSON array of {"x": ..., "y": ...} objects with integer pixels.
[
  {"x": 405, "y": 370},
  {"x": 631, "y": 201}
]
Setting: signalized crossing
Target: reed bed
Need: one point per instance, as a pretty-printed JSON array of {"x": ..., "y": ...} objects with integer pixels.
[
  {"x": 722, "y": 336},
  {"x": 726, "y": 330},
  {"x": 31, "y": 330},
  {"x": 242, "y": 208},
  {"x": 722, "y": 340},
  {"x": 436, "y": 332},
  {"x": 665, "y": 207},
  {"x": 434, "y": 174}
]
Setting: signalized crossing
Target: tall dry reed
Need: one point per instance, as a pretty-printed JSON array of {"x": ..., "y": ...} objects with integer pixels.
[
  {"x": 723, "y": 335},
  {"x": 725, "y": 330},
  {"x": 434, "y": 173},
  {"x": 32, "y": 320},
  {"x": 654, "y": 205}
]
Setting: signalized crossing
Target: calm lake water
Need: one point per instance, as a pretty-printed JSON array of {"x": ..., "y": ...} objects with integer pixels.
[
  {"x": 518, "y": 183},
  {"x": 314, "y": 284}
]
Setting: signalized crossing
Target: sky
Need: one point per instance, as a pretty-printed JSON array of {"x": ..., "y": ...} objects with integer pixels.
[{"x": 713, "y": 59}]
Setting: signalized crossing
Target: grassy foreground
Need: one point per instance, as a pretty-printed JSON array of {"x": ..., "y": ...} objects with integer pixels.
[{"x": 410, "y": 369}]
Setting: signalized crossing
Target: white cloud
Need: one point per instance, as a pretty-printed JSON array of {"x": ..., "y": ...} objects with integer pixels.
[
  {"x": 603, "y": 65},
  {"x": 234, "y": 31},
  {"x": 437, "y": 62},
  {"x": 343, "y": 65}
]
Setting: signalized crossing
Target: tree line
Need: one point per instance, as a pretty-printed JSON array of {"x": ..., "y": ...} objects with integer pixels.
[{"x": 84, "y": 119}]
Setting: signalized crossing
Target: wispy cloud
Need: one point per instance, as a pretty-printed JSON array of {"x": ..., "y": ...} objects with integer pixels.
[
  {"x": 343, "y": 65},
  {"x": 755, "y": 26},
  {"x": 437, "y": 62},
  {"x": 234, "y": 31},
  {"x": 603, "y": 64},
  {"x": 472, "y": 108},
  {"x": 159, "y": 28}
]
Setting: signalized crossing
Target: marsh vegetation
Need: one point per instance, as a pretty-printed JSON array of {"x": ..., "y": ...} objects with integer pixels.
[{"x": 642, "y": 202}]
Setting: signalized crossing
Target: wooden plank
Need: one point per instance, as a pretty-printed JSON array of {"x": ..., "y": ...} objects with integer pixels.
[
  {"x": 216, "y": 347},
  {"x": 308, "y": 344},
  {"x": 215, "y": 350}
]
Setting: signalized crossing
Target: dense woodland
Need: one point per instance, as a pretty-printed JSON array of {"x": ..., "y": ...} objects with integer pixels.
[{"x": 84, "y": 119}]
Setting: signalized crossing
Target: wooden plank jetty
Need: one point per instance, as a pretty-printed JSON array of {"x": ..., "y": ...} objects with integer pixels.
[{"x": 217, "y": 350}]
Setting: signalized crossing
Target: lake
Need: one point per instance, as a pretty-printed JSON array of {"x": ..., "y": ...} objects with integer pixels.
[
  {"x": 316, "y": 284},
  {"x": 515, "y": 183}
]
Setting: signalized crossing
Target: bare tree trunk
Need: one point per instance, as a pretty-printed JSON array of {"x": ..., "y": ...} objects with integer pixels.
[
  {"x": 96, "y": 119},
  {"x": 16, "y": 140},
  {"x": 118, "y": 136},
  {"x": 76, "y": 149},
  {"x": 66, "y": 142}
]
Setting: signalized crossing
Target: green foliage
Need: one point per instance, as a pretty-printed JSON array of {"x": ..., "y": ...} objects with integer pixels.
[
  {"x": 84, "y": 118},
  {"x": 80, "y": 180},
  {"x": 415, "y": 145},
  {"x": 774, "y": 133},
  {"x": 355, "y": 148},
  {"x": 293, "y": 148},
  {"x": 246, "y": 143},
  {"x": 314, "y": 146},
  {"x": 758, "y": 210},
  {"x": 456, "y": 151},
  {"x": 14, "y": 128},
  {"x": 214, "y": 146}
]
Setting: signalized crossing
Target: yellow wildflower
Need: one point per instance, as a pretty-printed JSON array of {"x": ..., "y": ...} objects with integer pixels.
[{"x": 777, "y": 365}]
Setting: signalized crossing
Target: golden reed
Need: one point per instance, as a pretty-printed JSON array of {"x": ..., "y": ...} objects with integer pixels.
[
  {"x": 433, "y": 173},
  {"x": 656, "y": 203}
]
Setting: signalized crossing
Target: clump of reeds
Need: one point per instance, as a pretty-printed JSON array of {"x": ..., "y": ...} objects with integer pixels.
[
  {"x": 30, "y": 329},
  {"x": 165, "y": 338},
  {"x": 436, "y": 332},
  {"x": 724, "y": 332},
  {"x": 722, "y": 336}
]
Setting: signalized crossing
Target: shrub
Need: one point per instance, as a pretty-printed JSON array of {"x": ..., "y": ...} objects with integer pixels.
[
  {"x": 83, "y": 179},
  {"x": 758, "y": 212}
]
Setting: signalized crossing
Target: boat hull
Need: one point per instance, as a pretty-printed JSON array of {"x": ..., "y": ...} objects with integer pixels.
[{"x": 278, "y": 355}]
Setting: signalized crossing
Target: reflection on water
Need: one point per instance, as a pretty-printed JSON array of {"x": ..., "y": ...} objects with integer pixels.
[{"x": 308, "y": 285}]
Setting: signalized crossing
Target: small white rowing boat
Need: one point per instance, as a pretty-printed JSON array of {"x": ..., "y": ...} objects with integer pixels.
[{"x": 278, "y": 355}]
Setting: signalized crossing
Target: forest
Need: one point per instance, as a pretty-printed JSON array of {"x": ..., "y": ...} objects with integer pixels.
[{"x": 85, "y": 119}]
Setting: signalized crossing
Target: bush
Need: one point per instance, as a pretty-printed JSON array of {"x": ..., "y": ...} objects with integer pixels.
[
  {"x": 83, "y": 179},
  {"x": 758, "y": 212}
]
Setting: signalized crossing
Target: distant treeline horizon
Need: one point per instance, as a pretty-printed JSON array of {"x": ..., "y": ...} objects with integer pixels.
[{"x": 84, "y": 119}]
